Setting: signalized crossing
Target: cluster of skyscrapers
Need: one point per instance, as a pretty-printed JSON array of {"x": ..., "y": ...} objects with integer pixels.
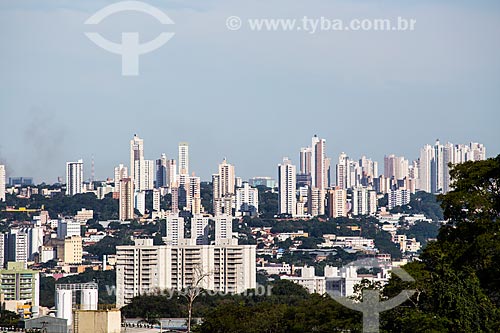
[
  {"x": 309, "y": 191},
  {"x": 222, "y": 265},
  {"x": 164, "y": 176},
  {"x": 434, "y": 161},
  {"x": 358, "y": 184},
  {"x": 144, "y": 267}
]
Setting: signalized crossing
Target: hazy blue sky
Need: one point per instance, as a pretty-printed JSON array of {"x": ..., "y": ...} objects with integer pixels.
[{"x": 252, "y": 97}]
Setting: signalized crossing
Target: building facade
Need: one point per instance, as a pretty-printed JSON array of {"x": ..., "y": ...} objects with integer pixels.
[
  {"x": 74, "y": 177},
  {"x": 126, "y": 199},
  {"x": 136, "y": 153},
  {"x": 2, "y": 182},
  {"x": 247, "y": 200},
  {"x": 144, "y": 268},
  {"x": 20, "y": 286},
  {"x": 183, "y": 158},
  {"x": 287, "y": 173}
]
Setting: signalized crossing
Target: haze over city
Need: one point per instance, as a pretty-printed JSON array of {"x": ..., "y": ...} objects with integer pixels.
[{"x": 252, "y": 97}]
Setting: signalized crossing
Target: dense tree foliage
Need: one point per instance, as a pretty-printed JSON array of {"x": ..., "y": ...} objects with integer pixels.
[
  {"x": 123, "y": 234},
  {"x": 288, "y": 308},
  {"x": 8, "y": 318},
  {"x": 268, "y": 202},
  {"x": 422, "y": 203},
  {"x": 62, "y": 205},
  {"x": 422, "y": 231},
  {"x": 471, "y": 239},
  {"x": 458, "y": 279},
  {"x": 206, "y": 193},
  {"x": 108, "y": 244},
  {"x": 365, "y": 226},
  {"x": 314, "y": 314}
]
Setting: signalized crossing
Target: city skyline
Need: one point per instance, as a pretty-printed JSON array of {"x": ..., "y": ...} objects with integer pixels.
[
  {"x": 190, "y": 165},
  {"x": 295, "y": 159}
]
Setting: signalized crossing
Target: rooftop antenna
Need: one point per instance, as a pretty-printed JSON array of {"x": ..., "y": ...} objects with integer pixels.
[{"x": 92, "y": 172}]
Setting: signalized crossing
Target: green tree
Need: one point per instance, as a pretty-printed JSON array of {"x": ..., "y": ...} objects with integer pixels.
[
  {"x": 457, "y": 281},
  {"x": 108, "y": 244},
  {"x": 8, "y": 318},
  {"x": 422, "y": 203},
  {"x": 106, "y": 281}
]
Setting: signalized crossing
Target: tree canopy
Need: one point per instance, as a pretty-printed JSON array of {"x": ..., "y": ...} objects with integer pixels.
[{"x": 458, "y": 279}]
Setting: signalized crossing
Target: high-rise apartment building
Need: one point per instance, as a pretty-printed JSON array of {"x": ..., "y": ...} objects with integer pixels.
[
  {"x": 195, "y": 195},
  {"x": 143, "y": 268},
  {"x": 183, "y": 158},
  {"x": 3, "y": 249},
  {"x": 19, "y": 285},
  {"x": 140, "y": 201},
  {"x": 287, "y": 188},
  {"x": 223, "y": 188},
  {"x": 424, "y": 171},
  {"x": 20, "y": 244},
  {"x": 337, "y": 202},
  {"x": 223, "y": 228},
  {"x": 2, "y": 182},
  {"x": 328, "y": 166},
  {"x": 395, "y": 167},
  {"x": 126, "y": 200},
  {"x": 140, "y": 269},
  {"x": 477, "y": 152},
  {"x": 320, "y": 176},
  {"x": 171, "y": 173},
  {"x": 175, "y": 229},
  {"x": 121, "y": 172},
  {"x": 183, "y": 185},
  {"x": 316, "y": 201},
  {"x": 342, "y": 171},
  {"x": 161, "y": 172},
  {"x": 74, "y": 177},
  {"x": 217, "y": 201},
  {"x": 247, "y": 200},
  {"x": 461, "y": 153},
  {"x": 363, "y": 201},
  {"x": 314, "y": 168},
  {"x": 70, "y": 250},
  {"x": 156, "y": 200},
  {"x": 398, "y": 197},
  {"x": 174, "y": 191},
  {"x": 227, "y": 179},
  {"x": 305, "y": 160},
  {"x": 68, "y": 228},
  {"x": 17, "y": 245},
  {"x": 136, "y": 153},
  {"x": 413, "y": 170},
  {"x": 314, "y": 141},
  {"x": 437, "y": 169},
  {"x": 354, "y": 174},
  {"x": 369, "y": 167},
  {"x": 448, "y": 158},
  {"x": 199, "y": 229},
  {"x": 434, "y": 164},
  {"x": 144, "y": 175}
]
